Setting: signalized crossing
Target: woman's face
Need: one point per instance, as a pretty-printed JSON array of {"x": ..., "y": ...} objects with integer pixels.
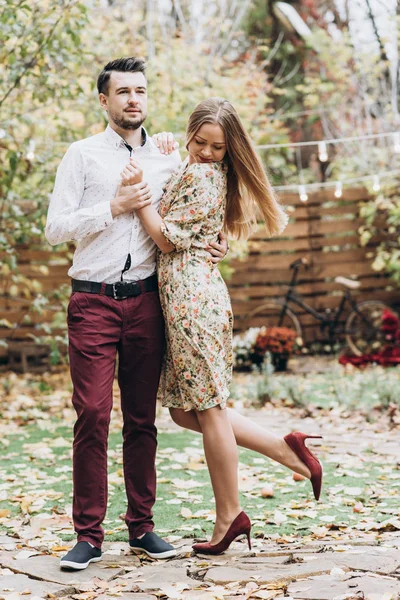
[{"x": 207, "y": 145}]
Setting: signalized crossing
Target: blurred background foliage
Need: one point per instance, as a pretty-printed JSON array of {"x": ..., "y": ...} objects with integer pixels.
[{"x": 296, "y": 71}]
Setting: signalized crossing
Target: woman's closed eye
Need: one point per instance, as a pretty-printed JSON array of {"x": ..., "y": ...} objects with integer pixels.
[{"x": 202, "y": 144}]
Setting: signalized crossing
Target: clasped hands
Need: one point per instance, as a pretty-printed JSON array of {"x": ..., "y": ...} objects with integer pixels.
[{"x": 135, "y": 194}]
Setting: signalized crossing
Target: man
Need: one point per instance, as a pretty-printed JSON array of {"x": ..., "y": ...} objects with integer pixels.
[{"x": 114, "y": 308}]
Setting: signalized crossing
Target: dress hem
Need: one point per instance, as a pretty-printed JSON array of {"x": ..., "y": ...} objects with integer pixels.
[{"x": 188, "y": 406}]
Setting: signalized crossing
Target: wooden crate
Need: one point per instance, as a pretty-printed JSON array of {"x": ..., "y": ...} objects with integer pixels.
[{"x": 23, "y": 357}]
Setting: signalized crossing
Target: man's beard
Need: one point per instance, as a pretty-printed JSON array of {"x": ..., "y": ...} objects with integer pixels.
[{"x": 124, "y": 123}]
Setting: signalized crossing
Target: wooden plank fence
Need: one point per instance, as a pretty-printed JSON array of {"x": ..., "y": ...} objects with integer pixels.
[{"x": 323, "y": 230}]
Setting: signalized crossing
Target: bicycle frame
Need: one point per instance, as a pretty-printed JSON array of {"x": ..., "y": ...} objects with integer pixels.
[{"x": 326, "y": 320}]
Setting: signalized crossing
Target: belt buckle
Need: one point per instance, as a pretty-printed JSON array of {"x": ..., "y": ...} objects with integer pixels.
[
  {"x": 123, "y": 286},
  {"x": 117, "y": 286}
]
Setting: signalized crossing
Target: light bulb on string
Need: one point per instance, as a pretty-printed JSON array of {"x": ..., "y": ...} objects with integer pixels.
[
  {"x": 30, "y": 155},
  {"x": 322, "y": 151},
  {"x": 376, "y": 185},
  {"x": 396, "y": 142},
  {"x": 303, "y": 193},
  {"x": 338, "y": 189}
]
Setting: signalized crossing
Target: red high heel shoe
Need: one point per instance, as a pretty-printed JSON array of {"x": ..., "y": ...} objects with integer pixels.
[
  {"x": 240, "y": 526},
  {"x": 296, "y": 442}
]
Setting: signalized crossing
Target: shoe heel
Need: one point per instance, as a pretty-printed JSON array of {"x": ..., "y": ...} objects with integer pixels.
[{"x": 248, "y": 539}]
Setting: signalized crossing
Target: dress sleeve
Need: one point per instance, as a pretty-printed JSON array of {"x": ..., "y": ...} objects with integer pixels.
[{"x": 199, "y": 195}]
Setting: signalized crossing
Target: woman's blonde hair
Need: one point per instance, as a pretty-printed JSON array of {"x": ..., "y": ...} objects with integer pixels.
[{"x": 248, "y": 185}]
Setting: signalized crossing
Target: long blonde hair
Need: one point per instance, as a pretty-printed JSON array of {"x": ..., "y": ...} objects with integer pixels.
[{"x": 248, "y": 185}]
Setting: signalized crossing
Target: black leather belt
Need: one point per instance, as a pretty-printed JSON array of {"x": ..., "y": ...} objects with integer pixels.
[{"x": 119, "y": 290}]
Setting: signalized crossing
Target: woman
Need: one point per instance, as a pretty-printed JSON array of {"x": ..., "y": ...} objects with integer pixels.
[{"x": 221, "y": 185}]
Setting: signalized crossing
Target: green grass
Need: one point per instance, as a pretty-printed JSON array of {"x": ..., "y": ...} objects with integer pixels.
[
  {"x": 25, "y": 472},
  {"x": 352, "y": 389}
]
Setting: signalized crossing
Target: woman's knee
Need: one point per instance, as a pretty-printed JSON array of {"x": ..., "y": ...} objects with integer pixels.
[
  {"x": 178, "y": 416},
  {"x": 213, "y": 414}
]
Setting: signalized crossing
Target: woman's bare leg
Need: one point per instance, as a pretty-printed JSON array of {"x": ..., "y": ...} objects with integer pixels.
[
  {"x": 249, "y": 435},
  {"x": 222, "y": 460}
]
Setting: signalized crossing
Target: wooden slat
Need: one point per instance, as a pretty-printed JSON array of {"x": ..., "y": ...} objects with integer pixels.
[
  {"x": 18, "y": 316},
  {"x": 306, "y": 228},
  {"x": 260, "y": 276},
  {"x": 321, "y": 212},
  {"x": 328, "y": 194},
  {"x": 368, "y": 284},
  {"x": 23, "y": 333},
  {"x": 42, "y": 256},
  {"x": 316, "y": 260},
  {"x": 316, "y": 241}
]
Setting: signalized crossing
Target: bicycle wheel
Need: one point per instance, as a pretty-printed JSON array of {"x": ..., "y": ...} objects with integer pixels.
[
  {"x": 269, "y": 315},
  {"x": 363, "y": 330}
]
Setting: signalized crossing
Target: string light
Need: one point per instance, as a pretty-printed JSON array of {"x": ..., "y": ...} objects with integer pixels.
[
  {"x": 303, "y": 193},
  {"x": 322, "y": 151},
  {"x": 339, "y": 190},
  {"x": 376, "y": 186},
  {"x": 355, "y": 138},
  {"x": 30, "y": 155},
  {"x": 328, "y": 184},
  {"x": 396, "y": 142}
]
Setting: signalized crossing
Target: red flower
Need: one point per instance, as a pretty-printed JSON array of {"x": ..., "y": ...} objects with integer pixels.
[{"x": 277, "y": 340}]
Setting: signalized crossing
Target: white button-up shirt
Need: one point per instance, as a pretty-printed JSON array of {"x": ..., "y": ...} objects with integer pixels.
[{"x": 86, "y": 182}]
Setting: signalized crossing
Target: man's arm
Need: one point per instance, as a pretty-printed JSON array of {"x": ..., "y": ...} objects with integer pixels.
[{"x": 66, "y": 221}]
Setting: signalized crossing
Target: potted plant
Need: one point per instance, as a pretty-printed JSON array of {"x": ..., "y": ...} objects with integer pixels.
[{"x": 278, "y": 341}]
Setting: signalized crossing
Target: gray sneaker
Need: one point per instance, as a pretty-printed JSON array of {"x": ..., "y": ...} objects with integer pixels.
[
  {"x": 80, "y": 556},
  {"x": 153, "y": 545}
]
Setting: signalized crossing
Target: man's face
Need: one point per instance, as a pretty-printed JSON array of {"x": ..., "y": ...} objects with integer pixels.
[{"x": 126, "y": 101}]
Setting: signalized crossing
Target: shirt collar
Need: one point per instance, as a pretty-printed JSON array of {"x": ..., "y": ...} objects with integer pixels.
[{"x": 117, "y": 141}]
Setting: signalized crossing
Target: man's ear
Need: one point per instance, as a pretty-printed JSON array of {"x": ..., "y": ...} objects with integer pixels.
[{"x": 103, "y": 101}]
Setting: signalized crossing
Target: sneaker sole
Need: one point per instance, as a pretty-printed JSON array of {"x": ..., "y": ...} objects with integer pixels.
[
  {"x": 166, "y": 554},
  {"x": 69, "y": 564}
]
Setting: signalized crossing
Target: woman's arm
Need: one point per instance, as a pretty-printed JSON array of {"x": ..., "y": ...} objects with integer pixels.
[
  {"x": 153, "y": 224},
  {"x": 151, "y": 220}
]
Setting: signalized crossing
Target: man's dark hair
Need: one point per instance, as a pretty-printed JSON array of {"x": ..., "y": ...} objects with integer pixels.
[{"x": 122, "y": 65}]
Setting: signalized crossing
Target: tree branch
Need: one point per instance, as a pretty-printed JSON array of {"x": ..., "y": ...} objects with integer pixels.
[{"x": 31, "y": 63}]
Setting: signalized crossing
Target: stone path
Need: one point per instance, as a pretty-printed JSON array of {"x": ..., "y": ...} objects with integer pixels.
[
  {"x": 319, "y": 571},
  {"x": 331, "y": 568}
]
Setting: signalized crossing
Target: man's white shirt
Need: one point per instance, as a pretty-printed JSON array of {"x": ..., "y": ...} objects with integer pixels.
[{"x": 86, "y": 182}]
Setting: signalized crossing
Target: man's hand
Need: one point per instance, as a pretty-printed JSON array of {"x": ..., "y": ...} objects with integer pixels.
[
  {"x": 132, "y": 173},
  {"x": 165, "y": 142},
  {"x": 219, "y": 250},
  {"x": 130, "y": 198}
]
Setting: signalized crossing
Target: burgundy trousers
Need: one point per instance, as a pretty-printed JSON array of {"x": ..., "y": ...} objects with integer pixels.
[{"x": 99, "y": 328}]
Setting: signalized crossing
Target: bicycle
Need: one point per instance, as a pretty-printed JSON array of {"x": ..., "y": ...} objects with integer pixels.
[{"x": 362, "y": 329}]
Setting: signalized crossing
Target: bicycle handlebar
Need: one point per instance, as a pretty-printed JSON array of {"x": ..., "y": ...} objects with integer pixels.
[{"x": 301, "y": 261}]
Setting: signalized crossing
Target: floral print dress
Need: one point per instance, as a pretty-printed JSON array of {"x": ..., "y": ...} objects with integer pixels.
[{"x": 197, "y": 367}]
